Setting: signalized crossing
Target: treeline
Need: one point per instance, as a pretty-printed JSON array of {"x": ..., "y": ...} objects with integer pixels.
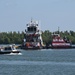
[
  {"x": 11, "y": 37},
  {"x": 17, "y": 37}
]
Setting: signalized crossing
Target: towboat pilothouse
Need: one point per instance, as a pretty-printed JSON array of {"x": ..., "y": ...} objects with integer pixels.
[
  {"x": 33, "y": 39},
  {"x": 59, "y": 42}
]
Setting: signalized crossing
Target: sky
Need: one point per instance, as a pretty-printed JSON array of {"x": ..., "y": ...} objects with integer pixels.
[{"x": 15, "y": 14}]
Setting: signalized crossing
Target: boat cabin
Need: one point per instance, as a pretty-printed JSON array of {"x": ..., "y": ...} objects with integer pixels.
[{"x": 32, "y": 27}]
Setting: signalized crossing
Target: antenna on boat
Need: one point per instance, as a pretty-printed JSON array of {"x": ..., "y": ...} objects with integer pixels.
[
  {"x": 31, "y": 19},
  {"x": 58, "y": 29}
]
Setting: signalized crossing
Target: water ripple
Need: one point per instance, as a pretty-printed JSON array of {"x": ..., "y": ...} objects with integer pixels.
[{"x": 36, "y": 63}]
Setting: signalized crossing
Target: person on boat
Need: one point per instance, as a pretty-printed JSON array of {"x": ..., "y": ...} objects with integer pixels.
[{"x": 13, "y": 47}]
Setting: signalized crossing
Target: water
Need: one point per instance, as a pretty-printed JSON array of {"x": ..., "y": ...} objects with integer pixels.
[{"x": 39, "y": 62}]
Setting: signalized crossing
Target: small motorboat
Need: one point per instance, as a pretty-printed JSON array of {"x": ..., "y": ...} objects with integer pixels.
[{"x": 9, "y": 49}]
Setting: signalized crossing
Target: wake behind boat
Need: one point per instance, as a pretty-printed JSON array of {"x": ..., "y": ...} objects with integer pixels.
[{"x": 9, "y": 49}]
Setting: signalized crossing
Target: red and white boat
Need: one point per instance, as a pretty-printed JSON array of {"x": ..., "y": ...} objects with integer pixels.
[
  {"x": 33, "y": 39},
  {"x": 59, "y": 42}
]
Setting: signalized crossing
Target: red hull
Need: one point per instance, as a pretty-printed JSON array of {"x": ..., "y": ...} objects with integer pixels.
[{"x": 61, "y": 46}]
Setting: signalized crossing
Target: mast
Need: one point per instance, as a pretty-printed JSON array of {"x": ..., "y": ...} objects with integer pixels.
[{"x": 58, "y": 30}]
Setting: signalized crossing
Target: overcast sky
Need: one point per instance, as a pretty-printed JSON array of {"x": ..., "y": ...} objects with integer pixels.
[{"x": 15, "y": 14}]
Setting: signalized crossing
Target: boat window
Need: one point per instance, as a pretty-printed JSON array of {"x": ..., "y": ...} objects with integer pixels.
[
  {"x": 31, "y": 28},
  {"x": 35, "y": 29},
  {"x": 28, "y": 28},
  {"x": 7, "y": 48}
]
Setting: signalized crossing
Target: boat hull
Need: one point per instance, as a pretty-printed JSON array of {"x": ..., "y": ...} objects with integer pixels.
[
  {"x": 9, "y": 52},
  {"x": 61, "y": 46},
  {"x": 31, "y": 48}
]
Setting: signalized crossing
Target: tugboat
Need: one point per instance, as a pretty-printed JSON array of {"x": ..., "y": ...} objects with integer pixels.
[
  {"x": 32, "y": 39},
  {"x": 60, "y": 43}
]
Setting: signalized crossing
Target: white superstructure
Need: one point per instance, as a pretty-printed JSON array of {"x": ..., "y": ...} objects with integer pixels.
[{"x": 33, "y": 35}]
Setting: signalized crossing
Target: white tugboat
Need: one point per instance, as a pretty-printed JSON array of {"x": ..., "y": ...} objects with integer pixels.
[{"x": 33, "y": 39}]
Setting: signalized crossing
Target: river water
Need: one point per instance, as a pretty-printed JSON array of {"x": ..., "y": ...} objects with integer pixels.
[{"x": 39, "y": 62}]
